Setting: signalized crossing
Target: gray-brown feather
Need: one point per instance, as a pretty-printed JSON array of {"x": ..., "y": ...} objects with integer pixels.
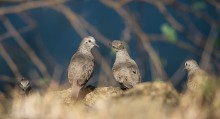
[
  {"x": 126, "y": 73},
  {"x": 80, "y": 69},
  {"x": 196, "y": 80}
]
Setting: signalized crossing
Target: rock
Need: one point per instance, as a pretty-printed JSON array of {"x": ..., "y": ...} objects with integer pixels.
[
  {"x": 144, "y": 100},
  {"x": 101, "y": 93},
  {"x": 160, "y": 93}
]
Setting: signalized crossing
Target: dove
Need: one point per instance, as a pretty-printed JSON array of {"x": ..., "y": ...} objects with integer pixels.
[
  {"x": 81, "y": 66},
  {"x": 196, "y": 76},
  {"x": 125, "y": 69},
  {"x": 24, "y": 85}
]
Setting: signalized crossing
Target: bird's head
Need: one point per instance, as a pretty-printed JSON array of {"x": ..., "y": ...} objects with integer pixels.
[
  {"x": 117, "y": 45},
  {"x": 190, "y": 64},
  {"x": 24, "y": 84},
  {"x": 89, "y": 42}
]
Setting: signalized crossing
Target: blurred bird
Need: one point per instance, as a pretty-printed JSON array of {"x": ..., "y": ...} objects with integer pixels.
[
  {"x": 24, "y": 84},
  {"x": 196, "y": 76},
  {"x": 125, "y": 70},
  {"x": 81, "y": 66}
]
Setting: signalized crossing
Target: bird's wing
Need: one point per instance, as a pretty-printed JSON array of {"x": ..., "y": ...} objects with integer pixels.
[
  {"x": 126, "y": 73},
  {"x": 87, "y": 70},
  {"x": 80, "y": 69},
  {"x": 116, "y": 70},
  {"x": 197, "y": 79},
  {"x": 134, "y": 72}
]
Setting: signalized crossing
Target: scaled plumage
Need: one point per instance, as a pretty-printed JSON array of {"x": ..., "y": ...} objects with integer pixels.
[
  {"x": 81, "y": 65},
  {"x": 125, "y": 70}
]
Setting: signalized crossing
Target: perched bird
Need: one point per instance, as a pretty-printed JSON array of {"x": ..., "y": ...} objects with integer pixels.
[
  {"x": 25, "y": 87},
  {"x": 125, "y": 70},
  {"x": 196, "y": 76},
  {"x": 81, "y": 66}
]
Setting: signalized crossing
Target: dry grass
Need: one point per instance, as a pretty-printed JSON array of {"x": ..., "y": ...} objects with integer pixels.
[{"x": 129, "y": 105}]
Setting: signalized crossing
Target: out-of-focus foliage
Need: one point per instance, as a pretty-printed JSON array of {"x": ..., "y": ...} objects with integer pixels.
[
  {"x": 169, "y": 32},
  {"x": 200, "y": 5}
]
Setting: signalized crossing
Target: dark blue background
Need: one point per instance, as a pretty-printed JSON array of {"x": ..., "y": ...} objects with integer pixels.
[{"x": 55, "y": 40}]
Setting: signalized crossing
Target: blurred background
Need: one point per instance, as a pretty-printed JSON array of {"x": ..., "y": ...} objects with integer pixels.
[{"x": 39, "y": 37}]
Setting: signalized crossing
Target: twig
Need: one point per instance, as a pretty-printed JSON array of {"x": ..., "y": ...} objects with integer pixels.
[
  {"x": 29, "y": 5},
  {"x": 95, "y": 32},
  {"x": 21, "y": 31},
  {"x": 178, "y": 43},
  {"x": 74, "y": 19},
  {"x": 214, "y": 3},
  {"x": 12, "y": 1},
  {"x": 10, "y": 62},
  {"x": 187, "y": 9},
  {"x": 26, "y": 48},
  {"x": 205, "y": 62},
  {"x": 142, "y": 37},
  {"x": 7, "y": 79},
  {"x": 80, "y": 24}
]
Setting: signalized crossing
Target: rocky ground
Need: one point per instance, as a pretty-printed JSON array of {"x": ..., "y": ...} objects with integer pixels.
[{"x": 153, "y": 100}]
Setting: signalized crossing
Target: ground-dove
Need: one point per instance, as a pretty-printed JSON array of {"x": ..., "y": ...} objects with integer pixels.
[
  {"x": 125, "y": 70},
  {"x": 81, "y": 66}
]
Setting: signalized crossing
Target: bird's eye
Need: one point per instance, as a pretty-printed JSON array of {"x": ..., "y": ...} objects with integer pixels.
[
  {"x": 89, "y": 40},
  {"x": 186, "y": 64}
]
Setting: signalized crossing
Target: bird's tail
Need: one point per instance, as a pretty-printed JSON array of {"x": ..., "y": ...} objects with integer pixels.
[{"x": 75, "y": 91}]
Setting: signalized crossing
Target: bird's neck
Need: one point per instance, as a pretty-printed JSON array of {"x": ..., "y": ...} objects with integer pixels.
[
  {"x": 122, "y": 56},
  {"x": 191, "y": 71},
  {"x": 84, "y": 50}
]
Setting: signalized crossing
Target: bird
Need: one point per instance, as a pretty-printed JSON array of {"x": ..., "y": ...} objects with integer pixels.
[
  {"x": 196, "y": 78},
  {"x": 25, "y": 86},
  {"x": 125, "y": 69},
  {"x": 81, "y": 66}
]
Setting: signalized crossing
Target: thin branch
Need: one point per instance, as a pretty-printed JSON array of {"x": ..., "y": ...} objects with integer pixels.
[
  {"x": 10, "y": 62},
  {"x": 175, "y": 24},
  {"x": 214, "y": 3},
  {"x": 208, "y": 49},
  {"x": 29, "y": 5},
  {"x": 142, "y": 37},
  {"x": 95, "y": 32},
  {"x": 80, "y": 24},
  {"x": 21, "y": 31},
  {"x": 12, "y": 1},
  {"x": 181, "y": 44},
  {"x": 26, "y": 48},
  {"x": 74, "y": 19},
  {"x": 7, "y": 79},
  {"x": 199, "y": 14}
]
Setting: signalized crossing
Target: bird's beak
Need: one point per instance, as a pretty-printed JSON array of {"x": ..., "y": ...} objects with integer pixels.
[{"x": 96, "y": 45}]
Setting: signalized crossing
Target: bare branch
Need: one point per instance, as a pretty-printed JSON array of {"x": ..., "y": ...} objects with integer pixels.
[
  {"x": 26, "y": 48},
  {"x": 144, "y": 39},
  {"x": 12, "y": 1},
  {"x": 208, "y": 49},
  {"x": 74, "y": 19},
  {"x": 80, "y": 24},
  {"x": 10, "y": 62},
  {"x": 21, "y": 31},
  {"x": 29, "y": 5}
]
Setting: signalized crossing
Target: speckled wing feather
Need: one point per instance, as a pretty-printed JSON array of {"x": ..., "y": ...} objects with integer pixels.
[
  {"x": 80, "y": 69},
  {"x": 127, "y": 73},
  {"x": 134, "y": 71},
  {"x": 197, "y": 79}
]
